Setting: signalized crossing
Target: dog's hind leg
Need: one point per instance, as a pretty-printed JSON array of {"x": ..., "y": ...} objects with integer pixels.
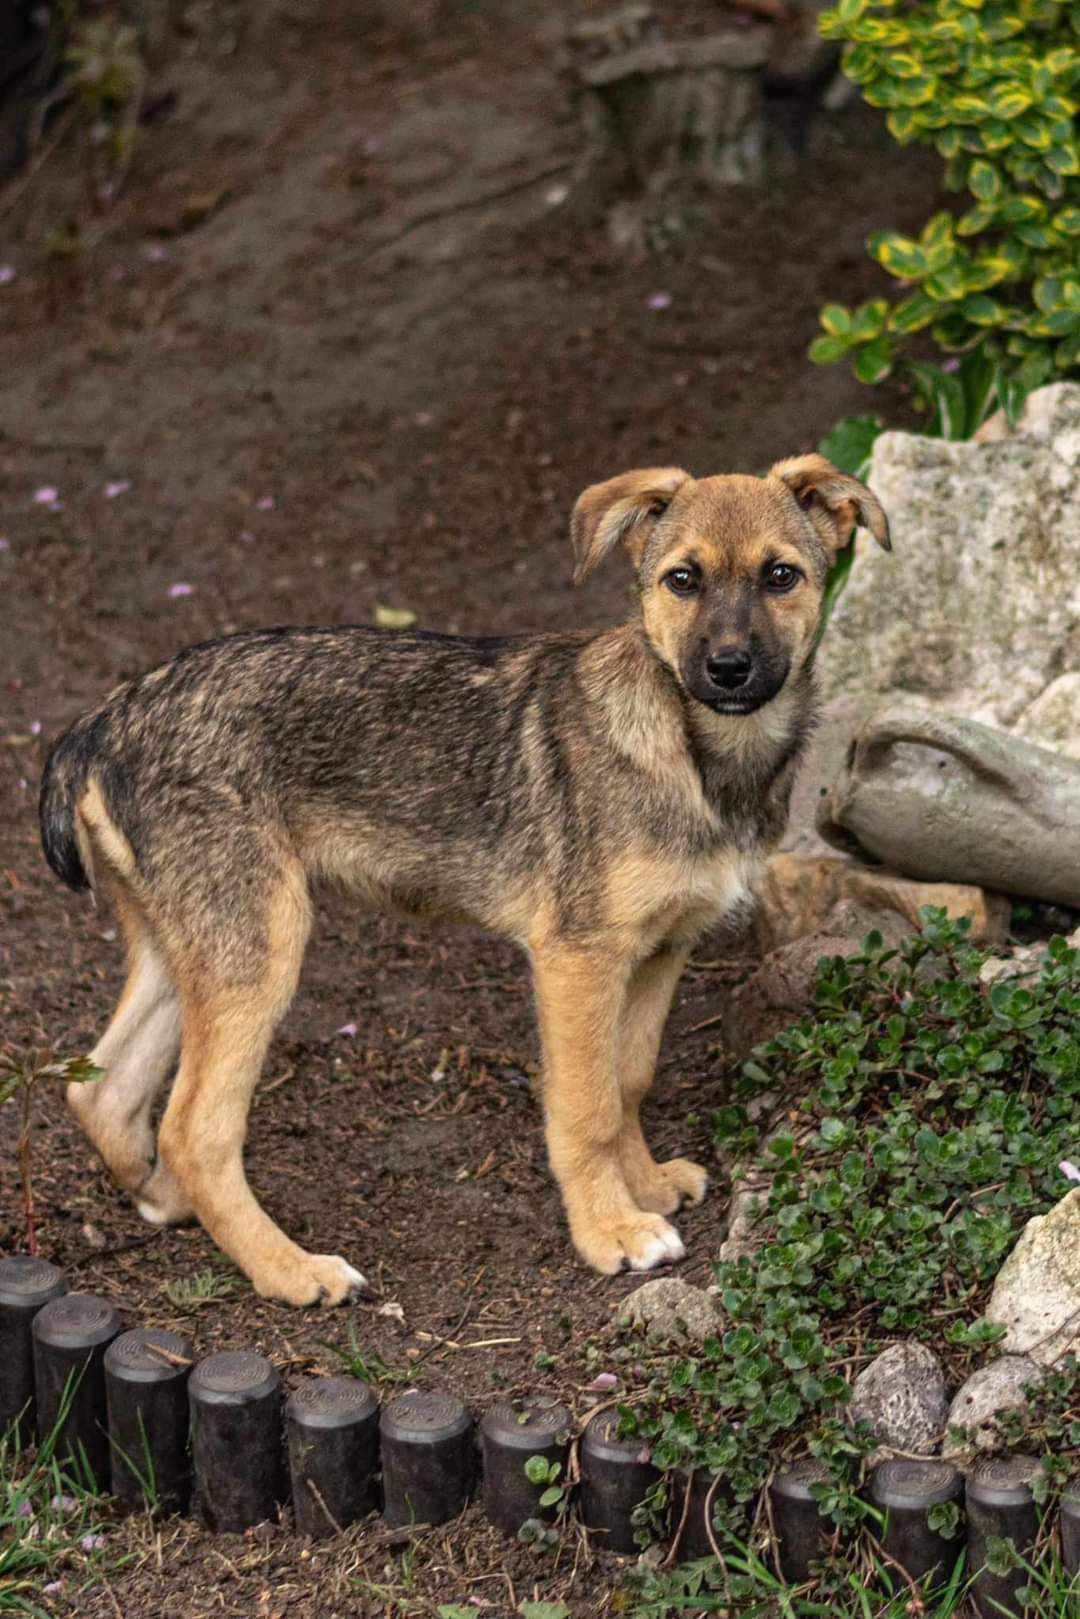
[
  {"x": 137, "y": 1053},
  {"x": 228, "y": 1025},
  {"x": 660, "y": 1188},
  {"x": 580, "y": 998}
]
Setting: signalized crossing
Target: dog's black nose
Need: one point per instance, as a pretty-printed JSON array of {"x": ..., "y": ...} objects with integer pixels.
[{"x": 729, "y": 670}]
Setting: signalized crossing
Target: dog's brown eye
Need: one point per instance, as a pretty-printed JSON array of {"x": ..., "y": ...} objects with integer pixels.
[
  {"x": 683, "y": 581},
  {"x": 781, "y": 577}
]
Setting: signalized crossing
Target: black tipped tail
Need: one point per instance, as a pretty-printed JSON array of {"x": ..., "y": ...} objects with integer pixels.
[{"x": 63, "y": 780}]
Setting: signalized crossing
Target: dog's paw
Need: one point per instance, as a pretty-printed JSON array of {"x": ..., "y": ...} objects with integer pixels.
[
  {"x": 162, "y": 1200},
  {"x": 324, "y": 1279},
  {"x": 637, "y": 1241},
  {"x": 666, "y": 1187}
]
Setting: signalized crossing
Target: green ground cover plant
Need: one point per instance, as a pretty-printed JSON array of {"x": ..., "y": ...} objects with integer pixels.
[
  {"x": 899, "y": 1137},
  {"x": 991, "y": 85}
]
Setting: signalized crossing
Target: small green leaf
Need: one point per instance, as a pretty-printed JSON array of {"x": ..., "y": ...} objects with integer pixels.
[
  {"x": 981, "y": 310},
  {"x": 836, "y": 320},
  {"x": 868, "y": 320},
  {"x": 1063, "y": 159},
  {"x": 827, "y": 350},
  {"x": 913, "y": 313},
  {"x": 903, "y": 123},
  {"x": 849, "y": 443},
  {"x": 944, "y": 1519},
  {"x": 975, "y": 220},
  {"x": 874, "y": 362},
  {"x": 1010, "y": 101},
  {"x": 900, "y": 255},
  {"x": 984, "y": 181}
]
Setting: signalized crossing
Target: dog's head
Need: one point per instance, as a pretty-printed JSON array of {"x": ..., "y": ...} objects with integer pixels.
[{"x": 731, "y": 570}]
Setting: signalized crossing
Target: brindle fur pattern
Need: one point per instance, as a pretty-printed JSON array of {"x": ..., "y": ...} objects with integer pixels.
[{"x": 595, "y": 797}]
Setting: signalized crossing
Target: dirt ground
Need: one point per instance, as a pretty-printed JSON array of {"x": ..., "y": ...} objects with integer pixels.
[{"x": 348, "y": 348}]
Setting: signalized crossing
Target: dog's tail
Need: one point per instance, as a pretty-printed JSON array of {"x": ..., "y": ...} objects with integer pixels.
[{"x": 62, "y": 783}]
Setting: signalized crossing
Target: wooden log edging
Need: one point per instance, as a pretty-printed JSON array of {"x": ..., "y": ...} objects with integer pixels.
[{"x": 140, "y": 1417}]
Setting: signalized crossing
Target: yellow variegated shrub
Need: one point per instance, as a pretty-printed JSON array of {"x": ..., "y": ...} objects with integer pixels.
[{"x": 994, "y": 87}]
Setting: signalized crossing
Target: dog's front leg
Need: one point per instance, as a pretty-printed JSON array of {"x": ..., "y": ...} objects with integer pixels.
[
  {"x": 661, "y": 1188},
  {"x": 581, "y": 995}
]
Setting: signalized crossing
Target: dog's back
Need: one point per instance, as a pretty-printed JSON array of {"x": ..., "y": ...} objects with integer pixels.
[{"x": 428, "y": 772}]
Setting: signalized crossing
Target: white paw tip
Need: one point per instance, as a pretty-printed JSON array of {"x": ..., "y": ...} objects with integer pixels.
[
  {"x": 674, "y": 1247},
  {"x": 151, "y": 1214},
  {"x": 665, "y": 1245}
]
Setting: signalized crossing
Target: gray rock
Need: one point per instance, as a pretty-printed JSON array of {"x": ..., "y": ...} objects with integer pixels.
[
  {"x": 997, "y": 1387},
  {"x": 669, "y": 1310},
  {"x": 977, "y": 608},
  {"x": 941, "y": 797},
  {"x": 1037, "y": 1292},
  {"x": 745, "y": 1232},
  {"x": 1053, "y": 720},
  {"x": 1021, "y": 966},
  {"x": 902, "y": 1396}
]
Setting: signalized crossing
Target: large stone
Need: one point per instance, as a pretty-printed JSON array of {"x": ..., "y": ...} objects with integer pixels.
[
  {"x": 668, "y": 1310},
  {"x": 902, "y": 1396},
  {"x": 1037, "y": 1292},
  {"x": 799, "y": 894},
  {"x": 992, "y": 1389},
  {"x": 945, "y": 798},
  {"x": 977, "y": 608}
]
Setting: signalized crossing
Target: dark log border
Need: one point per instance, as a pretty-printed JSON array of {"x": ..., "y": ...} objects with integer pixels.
[{"x": 335, "y": 1456}]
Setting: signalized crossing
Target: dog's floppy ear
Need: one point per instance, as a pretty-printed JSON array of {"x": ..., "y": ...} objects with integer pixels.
[
  {"x": 834, "y": 502},
  {"x": 623, "y": 508}
]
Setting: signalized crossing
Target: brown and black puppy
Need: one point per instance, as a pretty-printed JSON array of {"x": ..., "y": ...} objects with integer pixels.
[{"x": 600, "y": 798}]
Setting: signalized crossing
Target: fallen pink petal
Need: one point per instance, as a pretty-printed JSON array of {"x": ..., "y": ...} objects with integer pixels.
[
  {"x": 7, "y": 274},
  {"x": 266, "y": 504},
  {"x": 35, "y": 728},
  {"x": 603, "y": 1383},
  {"x": 46, "y": 495},
  {"x": 1070, "y": 1170},
  {"x": 347, "y": 1028},
  {"x": 5, "y": 543},
  {"x": 92, "y": 1543},
  {"x": 120, "y": 487},
  {"x": 179, "y": 589},
  {"x": 659, "y": 300},
  {"x": 63, "y": 1503}
]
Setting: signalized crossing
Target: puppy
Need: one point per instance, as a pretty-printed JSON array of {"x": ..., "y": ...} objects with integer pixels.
[{"x": 599, "y": 798}]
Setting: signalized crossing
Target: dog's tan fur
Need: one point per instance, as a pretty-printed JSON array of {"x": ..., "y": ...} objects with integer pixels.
[{"x": 600, "y": 799}]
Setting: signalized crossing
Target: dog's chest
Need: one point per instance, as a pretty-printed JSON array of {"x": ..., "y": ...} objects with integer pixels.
[
  {"x": 717, "y": 888},
  {"x": 662, "y": 899}
]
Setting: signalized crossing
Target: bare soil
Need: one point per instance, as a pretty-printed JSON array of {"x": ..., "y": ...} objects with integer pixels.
[{"x": 349, "y": 349}]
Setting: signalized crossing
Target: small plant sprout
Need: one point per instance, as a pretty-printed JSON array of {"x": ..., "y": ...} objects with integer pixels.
[
  {"x": 205, "y": 1287},
  {"x": 367, "y": 1364},
  {"x": 19, "y": 1079},
  {"x": 555, "y": 1496}
]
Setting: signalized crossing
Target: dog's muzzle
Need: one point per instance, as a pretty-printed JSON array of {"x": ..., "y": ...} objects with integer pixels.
[{"x": 734, "y": 680}]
